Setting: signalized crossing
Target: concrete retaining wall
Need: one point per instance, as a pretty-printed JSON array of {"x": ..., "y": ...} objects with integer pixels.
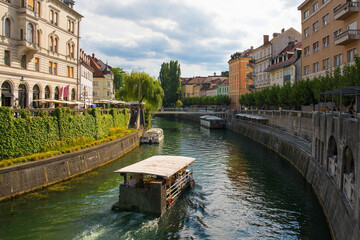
[{"x": 31, "y": 176}]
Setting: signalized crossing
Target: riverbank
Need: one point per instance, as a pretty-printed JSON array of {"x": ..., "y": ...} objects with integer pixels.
[
  {"x": 28, "y": 177},
  {"x": 298, "y": 151}
]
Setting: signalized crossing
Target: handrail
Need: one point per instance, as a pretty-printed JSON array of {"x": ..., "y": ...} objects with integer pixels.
[{"x": 174, "y": 190}]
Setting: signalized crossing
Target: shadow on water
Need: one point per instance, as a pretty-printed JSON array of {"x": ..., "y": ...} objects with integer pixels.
[{"x": 242, "y": 191}]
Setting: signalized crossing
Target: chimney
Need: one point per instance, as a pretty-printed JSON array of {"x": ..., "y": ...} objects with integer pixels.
[
  {"x": 266, "y": 38},
  {"x": 283, "y": 30},
  {"x": 93, "y": 55},
  {"x": 252, "y": 47}
]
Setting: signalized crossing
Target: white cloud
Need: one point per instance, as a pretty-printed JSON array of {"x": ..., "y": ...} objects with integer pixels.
[{"x": 201, "y": 34}]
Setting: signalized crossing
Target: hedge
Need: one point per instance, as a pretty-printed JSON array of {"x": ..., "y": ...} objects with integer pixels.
[{"x": 28, "y": 135}]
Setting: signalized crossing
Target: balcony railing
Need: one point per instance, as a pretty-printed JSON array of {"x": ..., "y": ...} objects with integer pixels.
[
  {"x": 347, "y": 36},
  {"x": 250, "y": 75},
  {"x": 344, "y": 11}
]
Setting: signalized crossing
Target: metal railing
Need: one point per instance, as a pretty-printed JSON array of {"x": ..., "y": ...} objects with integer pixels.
[
  {"x": 174, "y": 190},
  {"x": 347, "y": 6}
]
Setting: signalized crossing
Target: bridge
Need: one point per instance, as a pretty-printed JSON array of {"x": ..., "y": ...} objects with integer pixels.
[{"x": 191, "y": 111}]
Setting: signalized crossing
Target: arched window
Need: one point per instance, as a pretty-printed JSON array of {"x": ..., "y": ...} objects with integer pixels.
[
  {"x": 7, "y": 27},
  {"x": 30, "y": 30},
  {"x": 57, "y": 93},
  {"x": 6, "y": 94},
  {"x": 69, "y": 49},
  {"x": 72, "y": 50},
  {"x": 51, "y": 43},
  {"x": 73, "y": 94},
  {"x": 38, "y": 37},
  {"x": 47, "y": 96},
  {"x": 23, "y": 62},
  {"x": 22, "y": 96},
  {"x": 36, "y": 96},
  {"x": 56, "y": 45}
]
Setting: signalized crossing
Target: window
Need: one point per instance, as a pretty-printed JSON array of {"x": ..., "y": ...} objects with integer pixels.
[
  {"x": 95, "y": 83},
  {"x": 38, "y": 37},
  {"x": 51, "y": 44},
  {"x": 306, "y": 70},
  {"x": 72, "y": 50},
  {"x": 30, "y": 4},
  {"x": 315, "y": 67},
  {"x": 72, "y": 27},
  {"x": 37, "y": 64},
  {"x": 51, "y": 16},
  {"x": 108, "y": 83},
  {"x": 95, "y": 93},
  {"x": 68, "y": 71},
  {"x": 55, "y": 68},
  {"x": 38, "y": 8},
  {"x": 351, "y": 55},
  {"x": 316, "y": 46},
  {"x": 30, "y": 30},
  {"x": 71, "y": 72},
  {"x": 56, "y": 45},
  {"x": 326, "y": 20},
  {"x": 337, "y": 60},
  {"x": 69, "y": 26},
  {"x": 352, "y": 26},
  {"x": 316, "y": 26},
  {"x": 108, "y": 93},
  {"x": 337, "y": 32},
  {"x": 326, "y": 64},
  {"x": 50, "y": 67},
  {"x": 7, "y": 27},
  {"x": 56, "y": 18},
  {"x": 315, "y": 6},
  {"x": 324, "y": 1},
  {"x": 23, "y": 62},
  {"x": 306, "y": 14},
  {"x": 7, "y": 58},
  {"x": 306, "y": 32},
  {"x": 21, "y": 34},
  {"x": 307, "y": 51},
  {"x": 326, "y": 41}
]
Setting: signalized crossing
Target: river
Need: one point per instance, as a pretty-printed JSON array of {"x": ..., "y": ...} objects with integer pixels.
[{"x": 243, "y": 191}]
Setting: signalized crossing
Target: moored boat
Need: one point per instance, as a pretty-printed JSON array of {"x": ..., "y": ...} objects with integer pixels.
[
  {"x": 154, "y": 184},
  {"x": 153, "y": 135},
  {"x": 212, "y": 122}
]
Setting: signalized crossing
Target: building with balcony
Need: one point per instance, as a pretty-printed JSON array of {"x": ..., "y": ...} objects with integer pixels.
[
  {"x": 86, "y": 79},
  {"x": 239, "y": 76},
  {"x": 38, "y": 52},
  {"x": 286, "y": 67},
  {"x": 103, "y": 80},
  {"x": 270, "y": 49},
  {"x": 330, "y": 35}
]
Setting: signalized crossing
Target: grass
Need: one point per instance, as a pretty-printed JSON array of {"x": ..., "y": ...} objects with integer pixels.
[{"x": 61, "y": 147}]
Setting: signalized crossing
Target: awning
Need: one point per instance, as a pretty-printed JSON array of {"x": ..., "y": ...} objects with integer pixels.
[
  {"x": 7, "y": 94},
  {"x": 163, "y": 166}
]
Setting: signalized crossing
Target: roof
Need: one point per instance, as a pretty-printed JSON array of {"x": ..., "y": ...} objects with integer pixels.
[
  {"x": 289, "y": 61},
  {"x": 163, "y": 166},
  {"x": 209, "y": 118}
]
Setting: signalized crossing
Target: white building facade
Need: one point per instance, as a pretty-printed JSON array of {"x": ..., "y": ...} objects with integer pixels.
[
  {"x": 86, "y": 80},
  {"x": 38, "y": 52}
]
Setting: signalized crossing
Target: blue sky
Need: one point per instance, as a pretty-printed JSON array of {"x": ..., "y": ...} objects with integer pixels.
[{"x": 200, "y": 34}]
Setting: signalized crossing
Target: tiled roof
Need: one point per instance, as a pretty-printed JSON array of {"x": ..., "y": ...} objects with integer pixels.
[{"x": 289, "y": 61}]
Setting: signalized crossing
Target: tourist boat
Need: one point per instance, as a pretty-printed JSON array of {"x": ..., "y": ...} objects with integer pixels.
[
  {"x": 154, "y": 184},
  {"x": 153, "y": 135},
  {"x": 212, "y": 122}
]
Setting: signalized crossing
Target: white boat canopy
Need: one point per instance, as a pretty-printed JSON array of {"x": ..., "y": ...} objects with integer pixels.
[
  {"x": 163, "y": 166},
  {"x": 210, "y": 117}
]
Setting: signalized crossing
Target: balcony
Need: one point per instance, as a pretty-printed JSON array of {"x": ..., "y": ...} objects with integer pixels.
[
  {"x": 251, "y": 63},
  {"x": 26, "y": 48},
  {"x": 344, "y": 11},
  {"x": 250, "y": 75},
  {"x": 347, "y": 37}
]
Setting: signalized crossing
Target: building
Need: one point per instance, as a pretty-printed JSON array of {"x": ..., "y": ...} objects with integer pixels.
[
  {"x": 239, "y": 76},
  {"x": 103, "y": 80},
  {"x": 38, "y": 52},
  {"x": 190, "y": 87},
  {"x": 330, "y": 35},
  {"x": 270, "y": 49},
  {"x": 286, "y": 67},
  {"x": 223, "y": 88},
  {"x": 86, "y": 79}
]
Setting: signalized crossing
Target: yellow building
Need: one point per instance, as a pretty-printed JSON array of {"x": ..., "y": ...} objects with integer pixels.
[
  {"x": 239, "y": 76},
  {"x": 103, "y": 80},
  {"x": 38, "y": 51}
]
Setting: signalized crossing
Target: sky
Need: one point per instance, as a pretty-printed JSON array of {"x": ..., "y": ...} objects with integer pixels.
[{"x": 201, "y": 34}]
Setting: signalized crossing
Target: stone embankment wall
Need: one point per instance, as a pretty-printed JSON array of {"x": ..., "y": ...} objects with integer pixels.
[{"x": 31, "y": 176}]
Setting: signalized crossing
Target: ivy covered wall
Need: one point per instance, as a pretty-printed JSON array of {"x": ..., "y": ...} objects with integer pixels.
[{"x": 27, "y": 135}]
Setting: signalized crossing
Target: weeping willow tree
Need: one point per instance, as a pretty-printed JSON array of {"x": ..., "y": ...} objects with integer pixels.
[{"x": 151, "y": 92}]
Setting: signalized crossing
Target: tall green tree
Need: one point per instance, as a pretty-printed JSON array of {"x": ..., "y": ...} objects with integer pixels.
[
  {"x": 169, "y": 77},
  {"x": 151, "y": 92},
  {"x": 118, "y": 78}
]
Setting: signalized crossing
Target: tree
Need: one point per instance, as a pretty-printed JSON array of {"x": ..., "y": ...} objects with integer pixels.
[
  {"x": 118, "y": 78},
  {"x": 169, "y": 77},
  {"x": 151, "y": 92}
]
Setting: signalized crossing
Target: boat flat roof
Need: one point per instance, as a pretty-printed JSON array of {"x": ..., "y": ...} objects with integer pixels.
[
  {"x": 163, "y": 165},
  {"x": 210, "y": 117}
]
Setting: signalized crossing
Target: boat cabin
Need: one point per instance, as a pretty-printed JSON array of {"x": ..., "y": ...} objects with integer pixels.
[
  {"x": 153, "y": 185},
  {"x": 212, "y": 122},
  {"x": 153, "y": 135}
]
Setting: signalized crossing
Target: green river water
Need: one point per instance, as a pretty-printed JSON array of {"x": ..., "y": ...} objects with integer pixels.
[{"x": 243, "y": 191}]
